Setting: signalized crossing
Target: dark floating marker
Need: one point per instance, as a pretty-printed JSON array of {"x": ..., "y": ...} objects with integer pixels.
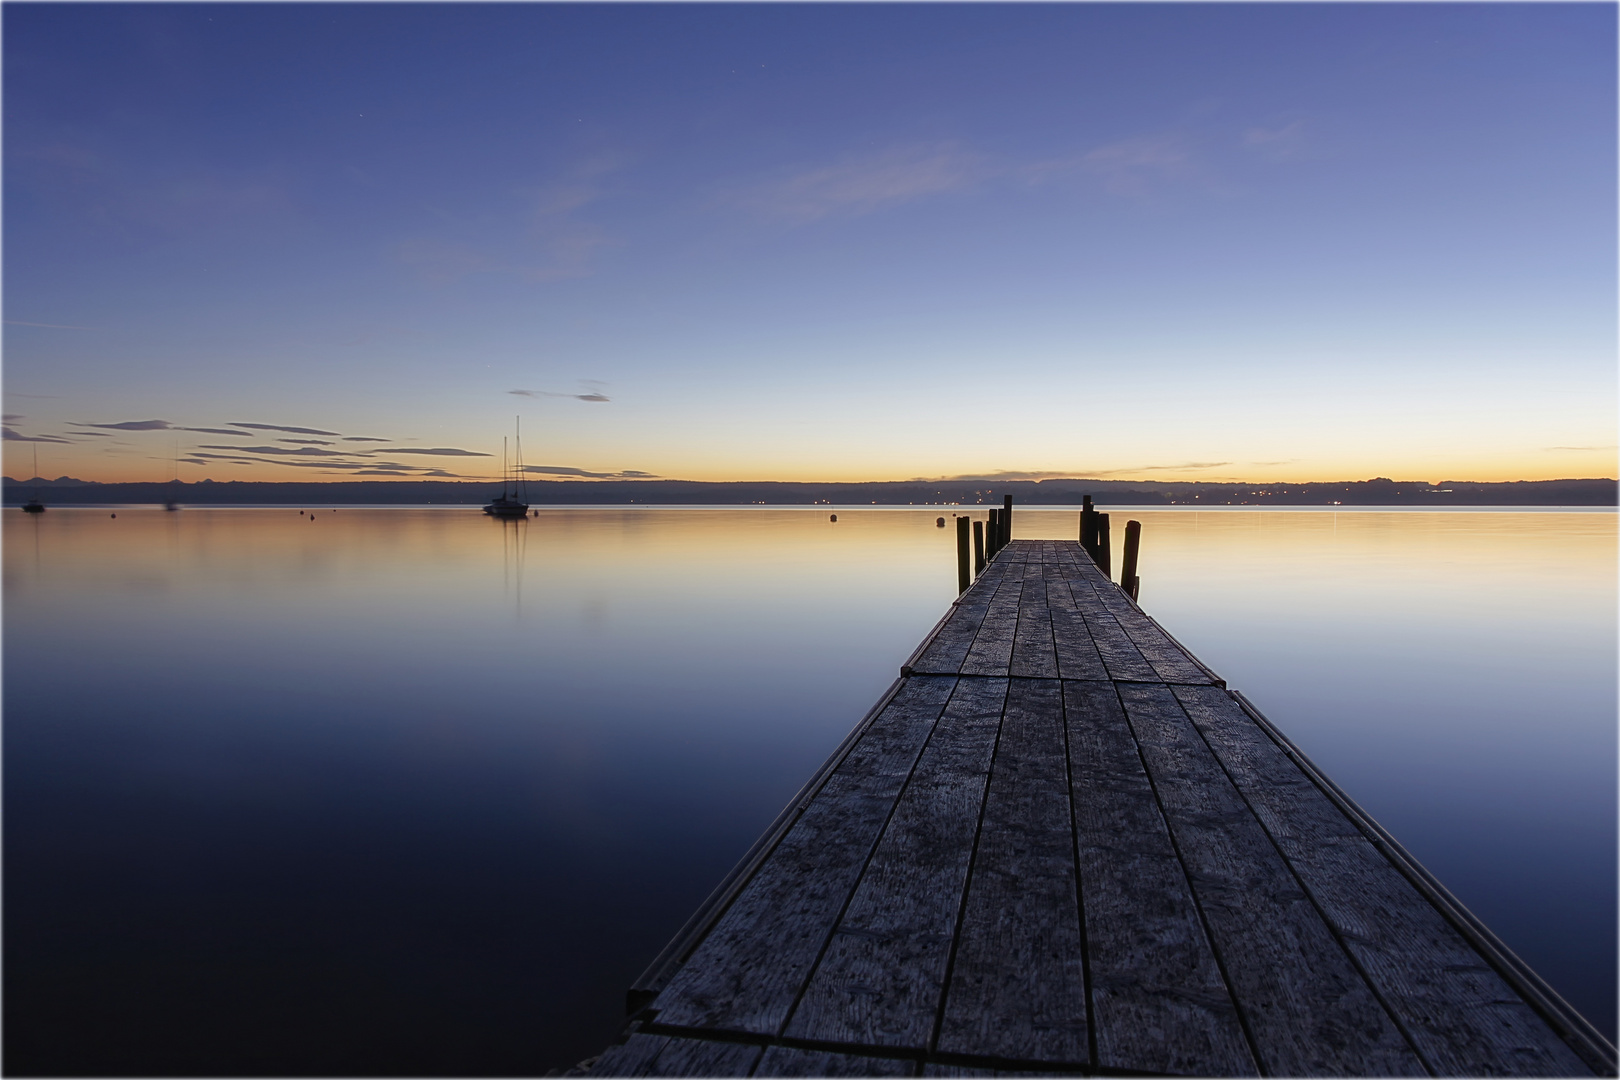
[
  {"x": 940, "y": 522},
  {"x": 112, "y": 515},
  {"x": 832, "y": 517}
]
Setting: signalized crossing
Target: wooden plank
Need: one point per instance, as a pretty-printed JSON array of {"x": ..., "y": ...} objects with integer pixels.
[
  {"x": 882, "y": 977},
  {"x": 747, "y": 972},
  {"x": 701, "y": 1057},
  {"x": 1077, "y": 655},
  {"x": 662, "y": 1055},
  {"x": 1159, "y": 1004},
  {"x": 1034, "y": 652},
  {"x": 1119, "y": 654},
  {"x": 1307, "y": 1009},
  {"x": 787, "y": 1061},
  {"x": 950, "y": 645},
  {"x": 1017, "y": 985},
  {"x": 1169, "y": 661},
  {"x": 634, "y": 1057},
  {"x": 1459, "y": 1013},
  {"x": 992, "y": 648},
  {"x": 932, "y": 1068}
]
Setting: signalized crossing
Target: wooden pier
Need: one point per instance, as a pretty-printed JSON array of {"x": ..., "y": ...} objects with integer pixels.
[{"x": 1059, "y": 845}]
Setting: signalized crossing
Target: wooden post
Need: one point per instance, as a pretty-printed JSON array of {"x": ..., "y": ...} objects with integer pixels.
[
  {"x": 992, "y": 534},
  {"x": 1127, "y": 570},
  {"x": 1103, "y": 547},
  {"x": 1006, "y": 520},
  {"x": 963, "y": 580},
  {"x": 978, "y": 547},
  {"x": 1088, "y": 529}
]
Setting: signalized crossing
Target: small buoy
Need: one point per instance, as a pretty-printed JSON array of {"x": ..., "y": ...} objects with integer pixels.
[
  {"x": 112, "y": 515},
  {"x": 834, "y": 517},
  {"x": 940, "y": 523}
]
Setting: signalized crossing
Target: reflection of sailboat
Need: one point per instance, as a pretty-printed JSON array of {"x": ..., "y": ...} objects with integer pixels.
[{"x": 510, "y": 502}]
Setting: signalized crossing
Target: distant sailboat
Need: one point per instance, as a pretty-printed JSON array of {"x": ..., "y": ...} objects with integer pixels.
[
  {"x": 34, "y": 506},
  {"x": 171, "y": 504},
  {"x": 510, "y": 502}
]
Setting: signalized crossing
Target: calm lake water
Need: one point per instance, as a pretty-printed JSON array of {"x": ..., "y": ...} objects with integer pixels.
[{"x": 419, "y": 792}]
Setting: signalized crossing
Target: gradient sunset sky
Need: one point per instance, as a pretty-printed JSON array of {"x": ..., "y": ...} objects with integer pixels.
[{"x": 823, "y": 242}]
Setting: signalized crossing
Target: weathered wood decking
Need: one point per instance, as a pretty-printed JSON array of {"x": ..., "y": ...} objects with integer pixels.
[{"x": 1060, "y": 845}]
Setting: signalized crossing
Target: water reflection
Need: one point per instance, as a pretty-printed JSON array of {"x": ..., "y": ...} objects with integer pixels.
[{"x": 417, "y": 791}]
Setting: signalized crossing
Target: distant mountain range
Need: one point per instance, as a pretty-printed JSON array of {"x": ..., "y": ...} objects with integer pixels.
[{"x": 65, "y": 490}]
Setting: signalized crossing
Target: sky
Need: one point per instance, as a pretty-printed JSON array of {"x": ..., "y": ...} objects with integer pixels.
[{"x": 833, "y": 242}]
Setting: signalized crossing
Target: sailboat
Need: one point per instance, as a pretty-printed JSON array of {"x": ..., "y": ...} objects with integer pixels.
[
  {"x": 510, "y": 502},
  {"x": 34, "y": 506}
]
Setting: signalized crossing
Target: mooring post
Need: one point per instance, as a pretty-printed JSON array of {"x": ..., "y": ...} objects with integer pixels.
[
  {"x": 992, "y": 534},
  {"x": 1088, "y": 529},
  {"x": 963, "y": 579},
  {"x": 978, "y": 547},
  {"x": 1127, "y": 570},
  {"x": 1006, "y": 520},
  {"x": 1104, "y": 549}
]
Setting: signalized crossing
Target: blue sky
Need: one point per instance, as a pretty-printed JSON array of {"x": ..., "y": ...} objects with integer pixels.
[{"x": 833, "y": 242}]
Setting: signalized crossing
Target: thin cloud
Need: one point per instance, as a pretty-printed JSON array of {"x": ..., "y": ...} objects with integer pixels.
[
  {"x": 48, "y": 325},
  {"x": 438, "y": 451},
  {"x": 13, "y": 417},
  {"x": 280, "y": 427},
  {"x": 158, "y": 425},
  {"x": 565, "y": 470},
  {"x": 1165, "y": 468},
  {"x": 308, "y": 442},
  {"x": 10, "y": 434},
  {"x": 1129, "y": 166},
  {"x": 1549, "y": 449},
  {"x": 130, "y": 425},
  {"x": 363, "y": 438},
  {"x": 1007, "y": 474},
  {"x": 302, "y": 451},
  {"x": 592, "y": 396},
  {"x": 1276, "y": 143},
  {"x": 855, "y": 187}
]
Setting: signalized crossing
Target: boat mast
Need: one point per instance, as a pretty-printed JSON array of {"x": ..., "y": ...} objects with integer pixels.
[{"x": 521, "y": 486}]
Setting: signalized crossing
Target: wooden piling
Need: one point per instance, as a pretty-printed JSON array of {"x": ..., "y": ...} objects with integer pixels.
[
  {"x": 992, "y": 534},
  {"x": 1127, "y": 571},
  {"x": 978, "y": 547},
  {"x": 1006, "y": 520},
  {"x": 1104, "y": 548},
  {"x": 963, "y": 577}
]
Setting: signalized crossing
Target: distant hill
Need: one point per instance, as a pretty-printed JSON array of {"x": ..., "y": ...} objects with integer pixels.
[
  {"x": 40, "y": 481},
  {"x": 1376, "y": 492}
]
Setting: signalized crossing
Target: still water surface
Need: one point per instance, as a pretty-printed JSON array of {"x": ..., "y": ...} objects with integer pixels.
[{"x": 412, "y": 791}]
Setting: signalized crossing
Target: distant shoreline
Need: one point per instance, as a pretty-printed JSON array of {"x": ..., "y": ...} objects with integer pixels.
[{"x": 1034, "y": 493}]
